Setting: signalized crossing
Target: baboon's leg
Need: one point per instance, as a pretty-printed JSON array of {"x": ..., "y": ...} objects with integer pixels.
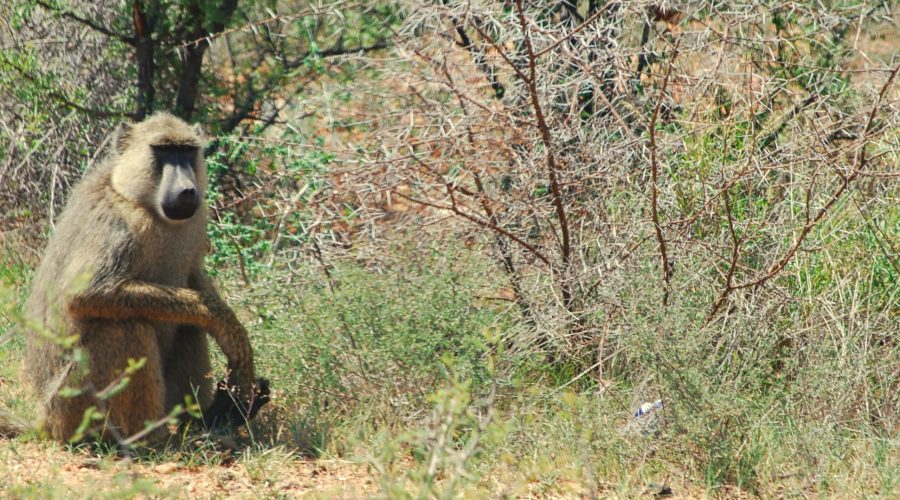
[
  {"x": 187, "y": 369},
  {"x": 63, "y": 415},
  {"x": 109, "y": 347}
]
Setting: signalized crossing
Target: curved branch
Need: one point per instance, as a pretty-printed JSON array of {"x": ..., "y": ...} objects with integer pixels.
[
  {"x": 654, "y": 171},
  {"x": 65, "y": 101},
  {"x": 478, "y": 221},
  {"x": 552, "y": 166},
  {"x": 130, "y": 40}
]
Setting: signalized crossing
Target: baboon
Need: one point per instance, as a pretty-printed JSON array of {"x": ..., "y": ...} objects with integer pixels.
[{"x": 123, "y": 272}]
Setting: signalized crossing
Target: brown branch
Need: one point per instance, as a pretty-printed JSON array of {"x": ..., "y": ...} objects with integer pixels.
[
  {"x": 341, "y": 51},
  {"x": 146, "y": 65},
  {"x": 200, "y": 26},
  {"x": 478, "y": 221},
  {"x": 667, "y": 270},
  {"x": 506, "y": 118},
  {"x": 552, "y": 166},
  {"x": 735, "y": 255},
  {"x": 130, "y": 40},
  {"x": 65, "y": 101},
  {"x": 622, "y": 123},
  {"x": 280, "y": 18},
  {"x": 501, "y": 51},
  {"x": 245, "y": 110},
  {"x": 795, "y": 111},
  {"x": 743, "y": 172}
]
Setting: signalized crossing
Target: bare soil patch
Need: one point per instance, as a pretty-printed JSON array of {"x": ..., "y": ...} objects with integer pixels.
[{"x": 46, "y": 470}]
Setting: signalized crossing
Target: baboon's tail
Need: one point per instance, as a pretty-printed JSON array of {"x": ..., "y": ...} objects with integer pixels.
[{"x": 10, "y": 426}]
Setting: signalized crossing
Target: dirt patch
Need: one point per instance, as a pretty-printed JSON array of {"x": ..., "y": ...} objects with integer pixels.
[{"x": 46, "y": 470}]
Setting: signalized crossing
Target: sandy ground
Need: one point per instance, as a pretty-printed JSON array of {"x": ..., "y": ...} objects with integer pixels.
[{"x": 42, "y": 470}]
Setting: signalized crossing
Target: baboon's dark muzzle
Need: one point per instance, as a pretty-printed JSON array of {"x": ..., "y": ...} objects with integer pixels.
[{"x": 182, "y": 205}]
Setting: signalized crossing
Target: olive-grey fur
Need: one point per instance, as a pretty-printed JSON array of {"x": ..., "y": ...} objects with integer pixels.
[{"x": 129, "y": 283}]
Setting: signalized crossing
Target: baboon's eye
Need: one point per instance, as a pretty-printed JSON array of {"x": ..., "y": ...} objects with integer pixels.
[
  {"x": 175, "y": 154},
  {"x": 175, "y": 148}
]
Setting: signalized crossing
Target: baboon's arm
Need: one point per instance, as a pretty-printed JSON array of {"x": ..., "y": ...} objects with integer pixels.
[
  {"x": 201, "y": 307},
  {"x": 235, "y": 334},
  {"x": 225, "y": 409}
]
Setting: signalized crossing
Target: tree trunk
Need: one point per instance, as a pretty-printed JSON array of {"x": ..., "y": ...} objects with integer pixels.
[
  {"x": 143, "y": 31},
  {"x": 209, "y": 20},
  {"x": 191, "y": 66}
]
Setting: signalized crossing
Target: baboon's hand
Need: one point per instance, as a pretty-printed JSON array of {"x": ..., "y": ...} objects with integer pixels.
[{"x": 231, "y": 408}]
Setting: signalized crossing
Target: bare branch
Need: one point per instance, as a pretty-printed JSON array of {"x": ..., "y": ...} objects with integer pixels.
[
  {"x": 667, "y": 268},
  {"x": 130, "y": 40}
]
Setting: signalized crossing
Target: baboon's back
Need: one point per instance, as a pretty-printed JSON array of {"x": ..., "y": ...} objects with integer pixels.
[{"x": 88, "y": 232}]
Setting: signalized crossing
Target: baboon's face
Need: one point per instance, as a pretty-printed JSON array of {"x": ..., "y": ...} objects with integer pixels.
[
  {"x": 160, "y": 166},
  {"x": 178, "y": 195}
]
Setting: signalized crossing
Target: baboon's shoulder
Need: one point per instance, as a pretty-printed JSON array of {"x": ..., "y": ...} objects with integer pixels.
[{"x": 92, "y": 234}]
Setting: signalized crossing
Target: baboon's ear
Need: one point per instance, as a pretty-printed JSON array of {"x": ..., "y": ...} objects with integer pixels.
[{"x": 123, "y": 137}]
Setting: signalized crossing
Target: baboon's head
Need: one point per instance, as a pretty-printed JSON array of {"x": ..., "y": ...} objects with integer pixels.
[{"x": 160, "y": 166}]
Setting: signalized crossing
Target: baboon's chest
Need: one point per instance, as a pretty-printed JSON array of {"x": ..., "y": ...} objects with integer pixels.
[{"x": 170, "y": 255}]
